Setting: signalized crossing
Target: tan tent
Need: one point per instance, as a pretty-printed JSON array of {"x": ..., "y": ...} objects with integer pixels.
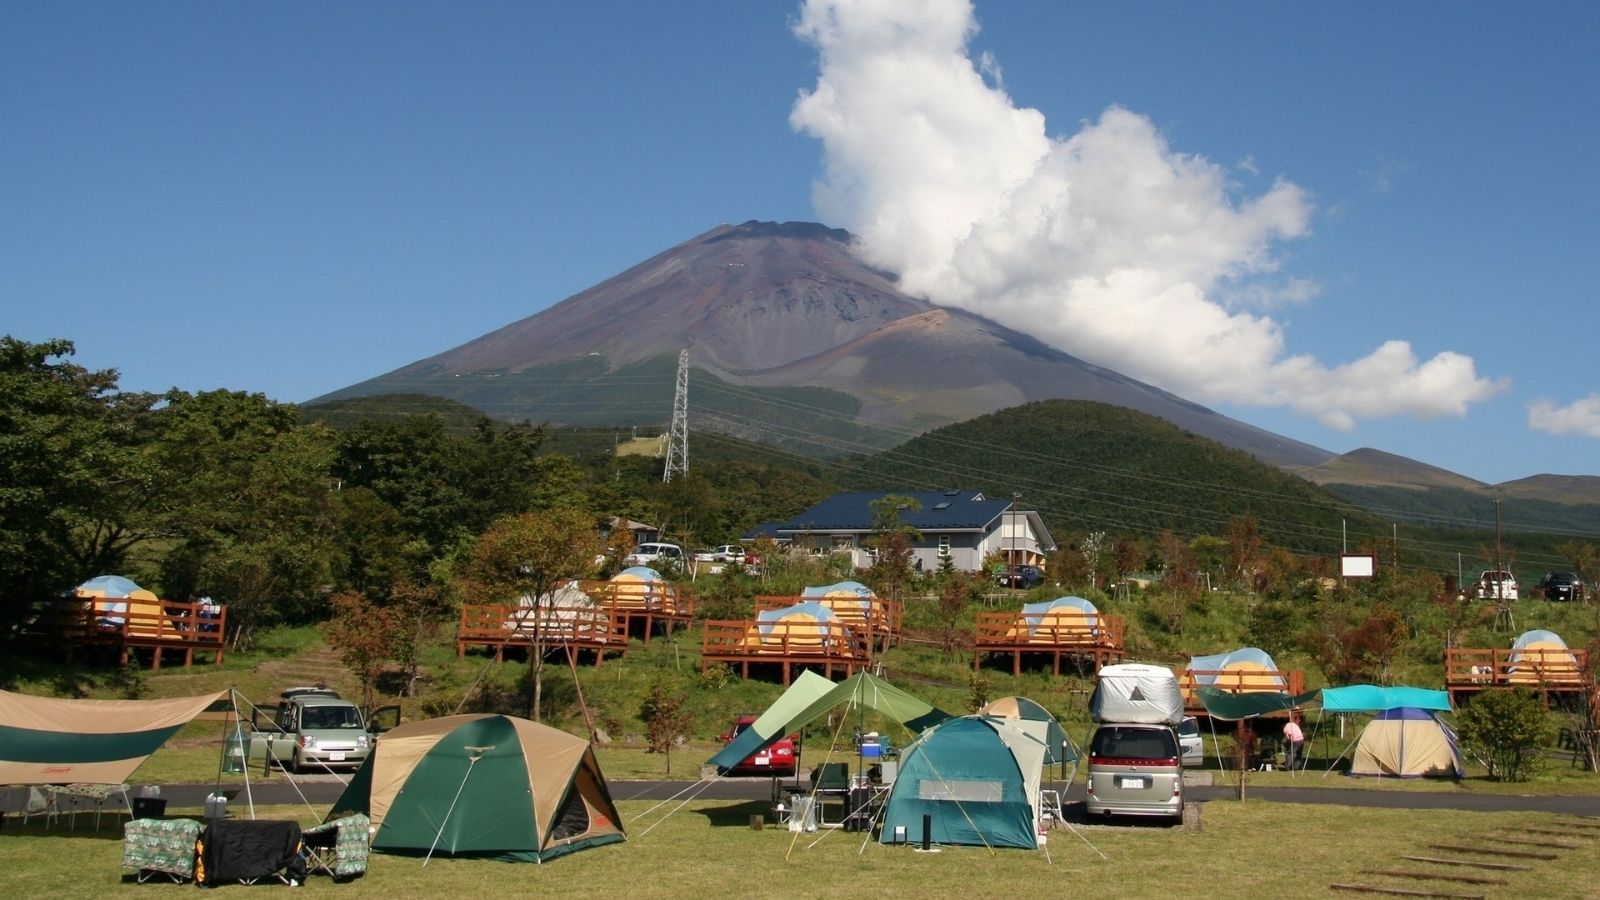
[
  {"x": 1407, "y": 742},
  {"x": 45, "y": 740},
  {"x": 482, "y": 785}
]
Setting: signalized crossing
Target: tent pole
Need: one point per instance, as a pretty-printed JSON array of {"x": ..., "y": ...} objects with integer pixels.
[
  {"x": 249, "y": 795},
  {"x": 471, "y": 762}
]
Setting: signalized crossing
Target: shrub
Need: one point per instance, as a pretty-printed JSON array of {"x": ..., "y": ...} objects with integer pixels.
[{"x": 1508, "y": 727}]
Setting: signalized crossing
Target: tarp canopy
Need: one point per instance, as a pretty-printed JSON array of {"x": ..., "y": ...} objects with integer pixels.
[
  {"x": 1228, "y": 706},
  {"x": 482, "y": 785},
  {"x": 1373, "y": 698},
  {"x": 976, "y": 778},
  {"x": 1058, "y": 746},
  {"x": 769, "y": 726},
  {"x": 44, "y": 740},
  {"x": 860, "y": 690},
  {"x": 1407, "y": 743}
]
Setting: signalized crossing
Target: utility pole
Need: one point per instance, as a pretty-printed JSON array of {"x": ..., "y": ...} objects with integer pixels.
[{"x": 678, "y": 435}]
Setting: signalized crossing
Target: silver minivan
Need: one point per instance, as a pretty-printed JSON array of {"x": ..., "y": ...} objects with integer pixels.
[{"x": 1135, "y": 770}]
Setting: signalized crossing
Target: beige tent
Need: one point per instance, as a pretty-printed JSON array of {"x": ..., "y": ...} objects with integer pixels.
[
  {"x": 482, "y": 785},
  {"x": 1407, "y": 742}
]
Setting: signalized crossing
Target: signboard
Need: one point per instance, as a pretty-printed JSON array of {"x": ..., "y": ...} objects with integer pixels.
[{"x": 1358, "y": 565}]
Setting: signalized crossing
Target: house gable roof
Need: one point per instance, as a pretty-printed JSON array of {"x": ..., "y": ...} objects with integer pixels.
[{"x": 941, "y": 511}]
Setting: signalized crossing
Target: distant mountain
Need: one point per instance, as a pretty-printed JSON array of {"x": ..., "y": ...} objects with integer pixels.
[
  {"x": 793, "y": 341},
  {"x": 1405, "y": 490}
]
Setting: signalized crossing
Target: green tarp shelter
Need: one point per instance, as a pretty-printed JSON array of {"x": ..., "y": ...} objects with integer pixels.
[
  {"x": 482, "y": 785},
  {"x": 1229, "y": 706},
  {"x": 46, "y": 740},
  {"x": 976, "y": 778},
  {"x": 809, "y": 699}
]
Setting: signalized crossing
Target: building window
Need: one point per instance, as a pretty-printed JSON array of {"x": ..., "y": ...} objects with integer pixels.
[
  {"x": 944, "y": 545},
  {"x": 843, "y": 542}
]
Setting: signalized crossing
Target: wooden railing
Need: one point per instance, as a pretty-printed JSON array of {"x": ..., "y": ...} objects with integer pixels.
[
  {"x": 1543, "y": 668},
  {"x": 155, "y": 625},
  {"x": 1096, "y": 639},
  {"x": 571, "y": 627},
  {"x": 647, "y": 603},
  {"x": 788, "y": 644},
  {"x": 1238, "y": 681}
]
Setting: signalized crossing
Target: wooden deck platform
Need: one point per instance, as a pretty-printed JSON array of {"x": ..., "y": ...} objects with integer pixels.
[
  {"x": 1078, "y": 641},
  {"x": 881, "y": 619},
  {"x": 786, "y": 645},
  {"x": 572, "y": 628},
  {"x": 160, "y": 626},
  {"x": 1546, "y": 671}
]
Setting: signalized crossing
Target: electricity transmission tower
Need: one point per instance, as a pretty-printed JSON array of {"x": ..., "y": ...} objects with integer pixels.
[{"x": 678, "y": 435}]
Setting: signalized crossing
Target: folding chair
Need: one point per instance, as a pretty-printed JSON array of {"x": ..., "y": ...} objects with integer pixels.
[
  {"x": 1049, "y": 808},
  {"x": 338, "y": 848},
  {"x": 156, "y": 847}
]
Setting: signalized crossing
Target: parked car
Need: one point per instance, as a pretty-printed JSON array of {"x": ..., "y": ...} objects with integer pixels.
[
  {"x": 1564, "y": 586},
  {"x": 1191, "y": 744},
  {"x": 314, "y": 728},
  {"x": 1497, "y": 584},
  {"x": 732, "y": 553},
  {"x": 656, "y": 555},
  {"x": 776, "y": 760},
  {"x": 1135, "y": 770},
  {"x": 1022, "y": 577}
]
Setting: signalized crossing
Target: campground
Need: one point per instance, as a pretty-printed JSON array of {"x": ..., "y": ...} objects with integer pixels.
[{"x": 706, "y": 848}]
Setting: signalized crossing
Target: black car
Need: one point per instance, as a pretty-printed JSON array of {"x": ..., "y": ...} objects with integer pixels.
[
  {"x": 1561, "y": 586},
  {"x": 1023, "y": 577}
]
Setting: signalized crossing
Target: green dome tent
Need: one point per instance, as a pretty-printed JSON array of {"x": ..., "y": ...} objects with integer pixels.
[
  {"x": 482, "y": 785},
  {"x": 976, "y": 778}
]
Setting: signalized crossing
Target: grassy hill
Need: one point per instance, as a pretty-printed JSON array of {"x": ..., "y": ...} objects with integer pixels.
[
  {"x": 1089, "y": 466},
  {"x": 459, "y": 419}
]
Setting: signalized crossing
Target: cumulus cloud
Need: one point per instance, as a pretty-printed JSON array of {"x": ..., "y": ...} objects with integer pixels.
[
  {"x": 1581, "y": 417},
  {"x": 1106, "y": 243}
]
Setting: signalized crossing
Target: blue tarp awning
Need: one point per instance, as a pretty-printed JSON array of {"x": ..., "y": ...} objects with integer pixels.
[{"x": 1374, "y": 698}]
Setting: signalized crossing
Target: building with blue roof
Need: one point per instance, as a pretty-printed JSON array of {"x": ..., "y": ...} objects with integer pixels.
[{"x": 963, "y": 525}]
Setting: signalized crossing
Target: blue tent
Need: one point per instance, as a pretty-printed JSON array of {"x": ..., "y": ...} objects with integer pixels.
[{"x": 1407, "y": 743}]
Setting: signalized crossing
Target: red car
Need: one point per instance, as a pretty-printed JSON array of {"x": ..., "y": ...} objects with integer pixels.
[{"x": 776, "y": 760}]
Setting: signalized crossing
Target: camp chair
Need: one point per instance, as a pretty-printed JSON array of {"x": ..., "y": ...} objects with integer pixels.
[
  {"x": 156, "y": 847},
  {"x": 831, "y": 780},
  {"x": 337, "y": 849}
]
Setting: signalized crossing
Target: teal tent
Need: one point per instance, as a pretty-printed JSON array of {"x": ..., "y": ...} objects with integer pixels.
[
  {"x": 1058, "y": 746},
  {"x": 975, "y": 778},
  {"x": 812, "y": 698}
]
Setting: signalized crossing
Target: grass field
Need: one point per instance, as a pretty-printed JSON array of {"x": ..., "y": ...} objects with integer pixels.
[{"x": 707, "y": 849}]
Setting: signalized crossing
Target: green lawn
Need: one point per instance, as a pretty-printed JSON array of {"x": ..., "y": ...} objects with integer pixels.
[{"x": 707, "y": 849}]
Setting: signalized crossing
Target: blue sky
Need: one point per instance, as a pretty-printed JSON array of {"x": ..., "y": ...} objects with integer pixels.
[{"x": 295, "y": 197}]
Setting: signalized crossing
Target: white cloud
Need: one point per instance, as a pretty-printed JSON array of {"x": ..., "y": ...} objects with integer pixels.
[
  {"x": 1581, "y": 417},
  {"x": 1107, "y": 244}
]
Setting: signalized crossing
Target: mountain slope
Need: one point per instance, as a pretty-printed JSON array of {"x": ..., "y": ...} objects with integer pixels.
[
  {"x": 769, "y": 306},
  {"x": 1090, "y": 466}
]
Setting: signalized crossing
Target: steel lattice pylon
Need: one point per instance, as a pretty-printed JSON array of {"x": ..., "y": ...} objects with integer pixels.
[{"x": 678, "y": 435}]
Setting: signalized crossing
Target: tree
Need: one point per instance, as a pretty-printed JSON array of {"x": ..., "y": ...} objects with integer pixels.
[
  {"x": 362, "y": 632},
  {"x": 1509, "y": 727},
  {"x": 527, "y": 556},
  {"x": 666, "y": 715},
  {"x": 73, "y": 483},
  {"x": 1244, "y": 550}
]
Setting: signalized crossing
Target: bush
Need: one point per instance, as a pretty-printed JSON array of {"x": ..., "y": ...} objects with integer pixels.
[{"x": 1508, "y": 727}]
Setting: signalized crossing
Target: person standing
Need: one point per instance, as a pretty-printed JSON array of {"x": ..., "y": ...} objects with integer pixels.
[{"x": 1296, "y": 739}]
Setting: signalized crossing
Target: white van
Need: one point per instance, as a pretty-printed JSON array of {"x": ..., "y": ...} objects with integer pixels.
[{"x": 656, "y": 555}]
